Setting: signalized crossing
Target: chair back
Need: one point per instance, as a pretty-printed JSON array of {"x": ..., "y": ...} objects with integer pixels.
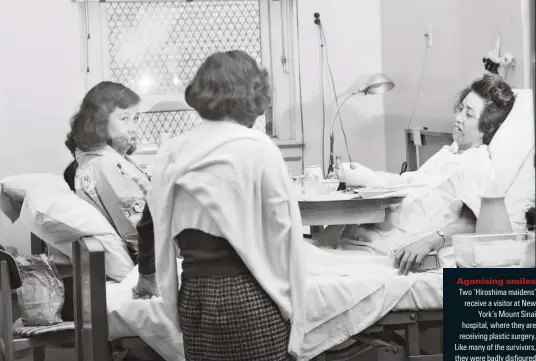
[{"x": 9, "y": 281}]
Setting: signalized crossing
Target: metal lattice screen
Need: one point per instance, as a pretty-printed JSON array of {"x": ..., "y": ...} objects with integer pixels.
[{"x": 156, "y": 47}]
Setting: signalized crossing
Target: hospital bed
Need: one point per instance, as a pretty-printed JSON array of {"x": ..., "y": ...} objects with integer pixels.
[
  {"x": 92, "y": 320},
  {"x": 395, "y": 335}
]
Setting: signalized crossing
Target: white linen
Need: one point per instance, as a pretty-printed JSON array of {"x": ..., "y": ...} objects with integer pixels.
[
  {"x": 512, "y": 154},
  {"x": 13, "y": 190},
  {"x": 240, "y": 191},
  {"x": 521, "y": 194},
  {"x": 514, "y": 141},
  {"x": 130, "y": 318},
  {"x": 59, "y": 217},
  {"x": 425, "y": 293},
  {"x": 142, "y": 318},
  {"x": 451, "y": 180}
]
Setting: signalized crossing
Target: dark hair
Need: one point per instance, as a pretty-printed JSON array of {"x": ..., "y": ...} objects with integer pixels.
[
  {"x": 69, "y": 174},
  {"x": 530, "y": 215},
  {"x": 89, "y": 125},
  {"x": 71, "y": 145},
  {"x": 498, "y": 98},
  {"x": 230, "y": 85}
]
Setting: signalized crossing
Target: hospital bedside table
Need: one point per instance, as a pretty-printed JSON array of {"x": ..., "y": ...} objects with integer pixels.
[{"x": 339, "y": 213}]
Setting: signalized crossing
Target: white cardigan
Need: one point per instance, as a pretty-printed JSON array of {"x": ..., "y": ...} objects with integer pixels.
[{"x": 240, "y": 177}]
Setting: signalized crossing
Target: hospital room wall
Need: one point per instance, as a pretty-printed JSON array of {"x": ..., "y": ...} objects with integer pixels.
[
  {"x": 462, "y": 34},
  {"x": 41, "y": 84},
  {"x": 353, "y": 42}
]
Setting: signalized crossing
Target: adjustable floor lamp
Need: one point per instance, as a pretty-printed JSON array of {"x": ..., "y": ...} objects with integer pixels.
[{"x": 377, "y": 84}]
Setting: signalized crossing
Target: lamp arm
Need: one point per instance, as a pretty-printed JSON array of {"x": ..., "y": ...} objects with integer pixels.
[
  {"x": 332, "y": 133},
  {"x": 339, "y": 110}
]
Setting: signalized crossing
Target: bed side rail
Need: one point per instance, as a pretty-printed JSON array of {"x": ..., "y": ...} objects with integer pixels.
[{"x": 91, "y": 317}]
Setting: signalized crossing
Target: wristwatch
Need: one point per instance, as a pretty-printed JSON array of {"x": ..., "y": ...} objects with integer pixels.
[{"x": 442, "y": 235}]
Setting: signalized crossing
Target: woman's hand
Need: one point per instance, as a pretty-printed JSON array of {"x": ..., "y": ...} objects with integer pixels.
[
  {"x": 410, "y": 257},
  {"x": 146, "y": 288}
]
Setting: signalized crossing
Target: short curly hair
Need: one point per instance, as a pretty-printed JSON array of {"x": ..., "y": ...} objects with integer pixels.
[
  {"x": 230, "y": 85},
  {"x": 499, "y": 100},
  {"x": 89, "y": 126}
]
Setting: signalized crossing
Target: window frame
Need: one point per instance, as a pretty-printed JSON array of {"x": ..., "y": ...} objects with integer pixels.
[{"x": 280, "y": 56}]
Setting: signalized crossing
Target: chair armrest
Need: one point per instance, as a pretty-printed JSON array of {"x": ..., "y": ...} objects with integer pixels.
[{"x": 91, "y": 316}]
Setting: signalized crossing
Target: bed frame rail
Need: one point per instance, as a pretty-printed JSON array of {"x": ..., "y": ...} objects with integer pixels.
[
  {"x": 91, "y": 317},
  {"x": 383, "y": 340}
]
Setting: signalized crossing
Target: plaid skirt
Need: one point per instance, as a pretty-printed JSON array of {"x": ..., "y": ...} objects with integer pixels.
[{"x": 231, "y": 318}]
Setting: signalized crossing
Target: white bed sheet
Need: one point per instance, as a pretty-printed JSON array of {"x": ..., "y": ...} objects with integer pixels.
[
  {"x": 342, "y": 327},
  {"x": 142, "y": 318},
  {"x": 425, "y": 294},
  {"x": 146, "y": 318}
]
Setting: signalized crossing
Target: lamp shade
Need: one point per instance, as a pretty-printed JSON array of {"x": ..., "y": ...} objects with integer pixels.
[{"x": 378, "y": 83}]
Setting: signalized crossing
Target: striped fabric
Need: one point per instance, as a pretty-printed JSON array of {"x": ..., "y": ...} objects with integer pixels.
[
  {"x": 142, "y": 182},
  {"x": 29, "y": 331}
]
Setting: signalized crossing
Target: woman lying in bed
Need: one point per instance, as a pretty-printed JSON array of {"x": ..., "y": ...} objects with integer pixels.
[
  {"x": 103, "y": 134},
  {"x": 453, "y": 181}
]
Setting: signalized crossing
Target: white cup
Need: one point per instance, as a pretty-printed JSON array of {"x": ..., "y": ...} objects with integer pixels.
[{"x": 315, "y": 170}]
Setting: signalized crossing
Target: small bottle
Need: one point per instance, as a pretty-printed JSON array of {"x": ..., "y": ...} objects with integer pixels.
[
  {"x": 335, "y": 169},
  {"x": 339, "y": 173}
]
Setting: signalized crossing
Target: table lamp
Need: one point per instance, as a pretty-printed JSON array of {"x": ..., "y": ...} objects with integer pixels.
[{"x": 377, "y": 84}]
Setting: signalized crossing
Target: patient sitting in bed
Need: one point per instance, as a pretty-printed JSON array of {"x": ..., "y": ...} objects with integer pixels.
[
  {"x": 452, "y": 182},
  {"x": 103, "y": 134}
]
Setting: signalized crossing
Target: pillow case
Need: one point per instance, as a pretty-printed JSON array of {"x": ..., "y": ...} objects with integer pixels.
[
  {"x": 512, "y": 154},
  {"x": 513, "y": 141},
  {"x": 521, "y": 195},
  {"x": 60, "y": 217},
  {"x": 13, "y": 189}
]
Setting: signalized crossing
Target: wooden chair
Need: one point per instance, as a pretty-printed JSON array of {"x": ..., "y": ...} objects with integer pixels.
[{"x": 20, "y": 340}]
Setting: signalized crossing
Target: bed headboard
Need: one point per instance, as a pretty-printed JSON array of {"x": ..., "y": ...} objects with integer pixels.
[{"x": 91, "y": 318}]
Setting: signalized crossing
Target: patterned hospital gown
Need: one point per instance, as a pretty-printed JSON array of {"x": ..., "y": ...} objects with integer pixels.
[{"x": 117, "y": 188}]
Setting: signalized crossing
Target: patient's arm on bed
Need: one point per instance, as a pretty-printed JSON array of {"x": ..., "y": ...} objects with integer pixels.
[
  {"x": 473, "y": 180},
  {"x": 410, "y": 257},
  {"x": 360, "y": 175},
  {"x": 465, "y": 224}
]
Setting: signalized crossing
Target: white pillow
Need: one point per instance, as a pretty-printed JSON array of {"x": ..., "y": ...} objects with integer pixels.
[
  {"x": 60, "y": 217},
  {"x": 513, "y": 141},
  {"x": 512, "y": 154},
  {"x": 13, "y": 190},
  {"x": 521, "y": 195}
]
